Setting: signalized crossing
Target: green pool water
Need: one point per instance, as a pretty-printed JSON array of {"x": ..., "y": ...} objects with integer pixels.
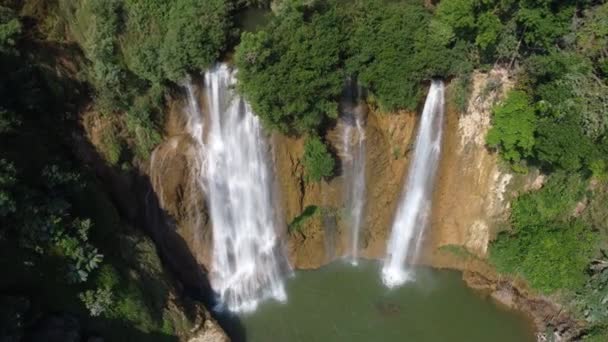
[{"x": 345, "y": 303}]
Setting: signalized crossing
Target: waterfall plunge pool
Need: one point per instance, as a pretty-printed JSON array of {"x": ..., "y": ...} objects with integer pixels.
[{"x": 340, "y": 302}]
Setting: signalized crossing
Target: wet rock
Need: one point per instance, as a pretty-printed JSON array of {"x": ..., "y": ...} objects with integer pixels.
[
  {"x": 388, "y": 309},
  {"x": 387, "y": 137},
  {"x": 544, "y": 313}
]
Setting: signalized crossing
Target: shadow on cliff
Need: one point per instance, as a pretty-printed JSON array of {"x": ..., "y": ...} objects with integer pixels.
[
  {"x": 42, "y": 85},
  {"x": 63, "y": 328},
  {"x": 133, "y": 195}
]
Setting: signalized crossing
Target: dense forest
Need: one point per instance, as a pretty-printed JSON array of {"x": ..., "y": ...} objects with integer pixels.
[{"x": 61, "y": 236}]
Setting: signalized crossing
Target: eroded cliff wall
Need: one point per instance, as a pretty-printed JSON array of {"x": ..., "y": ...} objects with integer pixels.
[
  {"x": 323, "y": 237},
  {"x": 471, "y": 191}
]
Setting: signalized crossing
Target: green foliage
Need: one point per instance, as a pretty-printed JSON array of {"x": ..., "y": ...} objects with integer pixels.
[
  {"x": 291, "y": 70},
  {"x": 143, "y": 37},
  {"x": 597, "y": 334},
  {"x": 513, "y": 125},
  {"x": 592, "y": 36},
  {"x": 10, "y": 28},
  {"x": 8, "y": 121},
  {"x": 383, "y": 46},
  {"x": 596, "y": 212},
  {"x": 546, "y": 246},
  {"x": 544, "y": 22},
  {"x": 166, "y": 40},
  {"x": 555, "y": 201},
  {"x": 133, "y": 48},
  {"x": 118, "y": 297},
  {"x": 195, "y": 36},
  {"x": 97, "y": 301},
  {"x": 551, "y": 257},
  {"x": 457, "y": 251},
  {"x": 458, "y": 15},
  {"x": 298, "y": 221},
  {"x": 393, "y": 48},
  {"x": 593, "y": 298},
  {"x": 8, "y": 180},
  {"x": 459, "y": 92},
  {"x": 571, "y": 103},
  {"x": 141, "y": 125},
  {"x": 318, "y": 162},
  {"x": 490, "y": 28},
  {"x": 554, "y": 144},
  {"x": 48, "y": 228},
  {"x": 73, "y": 244},
  {"x": 95, "y": 24},
  {"x": 111, "y": 146}
]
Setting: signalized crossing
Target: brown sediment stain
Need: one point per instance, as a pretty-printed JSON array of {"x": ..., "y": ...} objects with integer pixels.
[{"x": 470, "y": 192}]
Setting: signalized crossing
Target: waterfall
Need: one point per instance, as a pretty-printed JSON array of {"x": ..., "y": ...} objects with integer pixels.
[
  {"x": 414, "y": 208},
  {"x": 247, "y": 256},
  {"x": 353, "y": 142}
]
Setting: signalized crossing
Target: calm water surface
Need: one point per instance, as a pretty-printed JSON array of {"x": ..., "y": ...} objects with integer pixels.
[{"x": 345, "y": 303}]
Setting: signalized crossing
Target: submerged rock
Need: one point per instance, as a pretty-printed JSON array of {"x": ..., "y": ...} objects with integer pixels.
[{"x": 388, "y": 309}]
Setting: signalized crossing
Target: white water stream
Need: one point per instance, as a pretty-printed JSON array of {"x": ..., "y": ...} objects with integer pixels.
[
  {"x": 247, "y": 258},
  {"x": 353, "y": 142},
  {"x": 414, "y": 208}
]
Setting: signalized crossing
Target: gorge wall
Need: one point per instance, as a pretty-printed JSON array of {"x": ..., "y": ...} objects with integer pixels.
[{"x": 471, "y": 197}]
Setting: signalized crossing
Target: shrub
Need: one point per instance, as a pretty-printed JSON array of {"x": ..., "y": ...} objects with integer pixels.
[
  {"x": 459, "y": 93},
  {"x": 546, "y": 246},
  {"x": 111, "y": 146},
  {"x": 551, "y": 257},
  {"x": 298, "y": 221},
  {"x": 513, "y": 125},
  {"x": 95, "y": 24},
  {"x": 97, "y": 301},
  {"x": 318, "y": 162},
  {"x": 117, "y": 296},
  {"x": 555, "y": 201}
]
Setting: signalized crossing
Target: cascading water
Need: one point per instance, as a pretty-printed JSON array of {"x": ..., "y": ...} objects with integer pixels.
[
  {"x": 353, "y": 141},
  {"x": 412, "y": 214},
  {"x": 247, "y": 258}
]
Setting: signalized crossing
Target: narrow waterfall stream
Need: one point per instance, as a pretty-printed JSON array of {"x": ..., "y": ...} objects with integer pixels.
[
  {"x": 353, "y": 141},
  {"x": 247, "y": 256},
  {"x": 413, "y": 211}
]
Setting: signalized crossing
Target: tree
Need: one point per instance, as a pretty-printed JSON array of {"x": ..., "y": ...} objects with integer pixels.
[
  {"x": 318, "y": 162},
  {"x": 554, "y": 144},
  {"x": 196, "y": 34},
  {"x": 384, "y": 54},
  {"x": 513, "y": 126},
  {"x": 457, "y": 14},
  {"x": 291, "y": 71},
  {"x": 489, "y": 30},
  {"x": 544, "y": 22}
]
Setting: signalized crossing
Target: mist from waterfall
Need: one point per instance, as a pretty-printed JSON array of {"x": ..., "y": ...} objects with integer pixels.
[
  {"x": 414, "y": 209},
  {"x": 353, "y": 163},
  {"x": 247, "y": 256}
]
